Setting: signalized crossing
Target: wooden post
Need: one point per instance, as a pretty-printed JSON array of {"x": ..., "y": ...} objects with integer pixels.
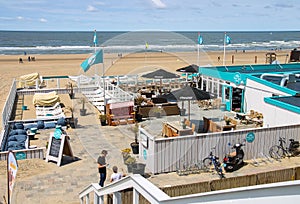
[
  {"x": 255, "y": 59},
  {"x": 232, "y": 59}
]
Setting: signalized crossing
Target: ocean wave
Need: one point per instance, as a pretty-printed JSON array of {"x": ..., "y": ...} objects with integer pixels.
[{"x": 66, "y": 49}]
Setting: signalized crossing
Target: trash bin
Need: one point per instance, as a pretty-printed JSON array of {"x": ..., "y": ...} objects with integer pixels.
[{"x": 138, "y": 168}]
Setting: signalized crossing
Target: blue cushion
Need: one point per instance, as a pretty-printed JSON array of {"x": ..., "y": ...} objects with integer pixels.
[
  {"x": 21, "y": 138},
  {"x": 12, "y": 138},
  {"x": 12, "y": 143},
  {"x": 61, "y": 121},
  {"x": 13, "y": 132},
  {"x": 16, "y": 146},
  {"x": 18, "y": 126},
  {"x": 40, "y": 124},
  {"x": 21, "y": 132},
  {"x": 50, "y": 125},
  {"x": 30, "y": 125}
]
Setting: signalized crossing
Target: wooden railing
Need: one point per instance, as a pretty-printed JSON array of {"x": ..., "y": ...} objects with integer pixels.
[{"x": 36, "y": 153}]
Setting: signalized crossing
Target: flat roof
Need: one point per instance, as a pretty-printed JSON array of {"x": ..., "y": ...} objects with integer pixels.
[{"x": 292, "y": 100}]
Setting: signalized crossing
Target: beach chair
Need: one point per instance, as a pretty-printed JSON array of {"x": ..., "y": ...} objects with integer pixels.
[{"x": 52, "y": 112}]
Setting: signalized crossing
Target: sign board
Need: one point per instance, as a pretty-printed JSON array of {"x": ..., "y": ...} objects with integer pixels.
[
  {"x": 237, "y": 78},
  {"x": 57, "y": 148},
  {"x": 250, "y": 137},
  {"x": 20, "y": 155}
]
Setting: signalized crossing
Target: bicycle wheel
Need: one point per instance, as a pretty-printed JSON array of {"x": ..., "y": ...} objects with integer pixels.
[
  {"x": 276, "y": 152},
  {"x": 207, "y": 163}
]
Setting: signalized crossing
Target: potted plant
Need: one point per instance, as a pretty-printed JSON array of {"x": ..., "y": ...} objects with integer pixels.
[
  {"x": 83, "y": 110},
  {"x": 72, "y": 120},
  {"x": 69, "y": 87},
  {"x": 129, "y": 162},
  {"x": 139, "y": 100},
  {"x": 102, "y": 118},
  {"x": 135, "y": 145},
  {"x": 126, "y": 153}
]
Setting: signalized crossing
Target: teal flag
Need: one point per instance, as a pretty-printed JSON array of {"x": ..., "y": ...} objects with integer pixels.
[
  {"x": 96, "y": 58},
  {"x": 95, "y": 40},
  {"x": 227, "y": 39},
  {"x": 200, "y": 40}
]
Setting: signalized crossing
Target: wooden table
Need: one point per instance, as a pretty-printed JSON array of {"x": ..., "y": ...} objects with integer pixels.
[
  {"x": 177, "y": 128},
  {"x": 222, "y": 126}
]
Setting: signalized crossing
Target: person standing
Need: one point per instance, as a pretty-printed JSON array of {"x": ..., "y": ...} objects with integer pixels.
[{"x": 102, "y": 167}]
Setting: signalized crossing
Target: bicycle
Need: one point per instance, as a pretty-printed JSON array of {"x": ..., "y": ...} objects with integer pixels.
[
  {"x": 281, "y": 151},
  {"x": 212, "y": 159},
  {"x": 189, "y": 169}
]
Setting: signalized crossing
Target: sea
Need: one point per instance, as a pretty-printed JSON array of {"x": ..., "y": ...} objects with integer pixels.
[{"x": 58, "y": 42}]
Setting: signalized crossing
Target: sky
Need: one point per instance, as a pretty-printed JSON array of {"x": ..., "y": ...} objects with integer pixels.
[{"x": 137, "y": 15}]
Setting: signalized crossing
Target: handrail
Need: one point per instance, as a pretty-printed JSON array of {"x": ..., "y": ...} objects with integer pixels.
[
  {"x": 149, "y": 191},
  {"x": 264, "y": 193}
]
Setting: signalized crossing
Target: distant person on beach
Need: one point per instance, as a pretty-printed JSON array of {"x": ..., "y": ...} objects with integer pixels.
[
  {"x": 219, "y": 58},
  {"x": 28, "y": 58},
  {"x": 102, "y": 167},
  {"x": 116, "y": 175},
  {"x": 20, "y": 60}
]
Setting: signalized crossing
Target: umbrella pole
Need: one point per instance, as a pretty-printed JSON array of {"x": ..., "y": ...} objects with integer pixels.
[{"x": 189, "y": 110}]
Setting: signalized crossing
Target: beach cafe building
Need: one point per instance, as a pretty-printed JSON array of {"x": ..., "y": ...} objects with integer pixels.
[{"x": 272, "y": 90}]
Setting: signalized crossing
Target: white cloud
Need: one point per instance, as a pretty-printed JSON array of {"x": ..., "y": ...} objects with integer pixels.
[
  {"x": 20, "y": 18},
  {"x": 43, "y": 20},
  {"x": 91, "y": 8},
  {"x": 159, "y": 3}
]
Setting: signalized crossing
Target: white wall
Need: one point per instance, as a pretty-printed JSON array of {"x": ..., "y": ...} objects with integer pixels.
[{"x": 273, "y": 116}]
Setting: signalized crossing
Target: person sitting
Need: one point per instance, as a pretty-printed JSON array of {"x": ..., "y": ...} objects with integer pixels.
[{"x": 20, "y": 60}]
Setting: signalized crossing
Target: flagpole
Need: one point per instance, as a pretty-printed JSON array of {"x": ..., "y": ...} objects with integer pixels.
[
  {"x": 103, "y": 69},
  {"x": 198, "y": 57},
  {"x": 198, "y": 50},
  {"x": 200, "y": 41},
  {"x": 95, "y": 46},
  {"x": 224, "y": 52}
]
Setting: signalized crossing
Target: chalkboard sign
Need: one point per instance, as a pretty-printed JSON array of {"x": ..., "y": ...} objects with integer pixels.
[{"x": 55, "y": 147}]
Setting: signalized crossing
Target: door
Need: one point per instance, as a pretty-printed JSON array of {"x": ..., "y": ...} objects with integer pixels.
[{"x": 227, "y": 96}]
